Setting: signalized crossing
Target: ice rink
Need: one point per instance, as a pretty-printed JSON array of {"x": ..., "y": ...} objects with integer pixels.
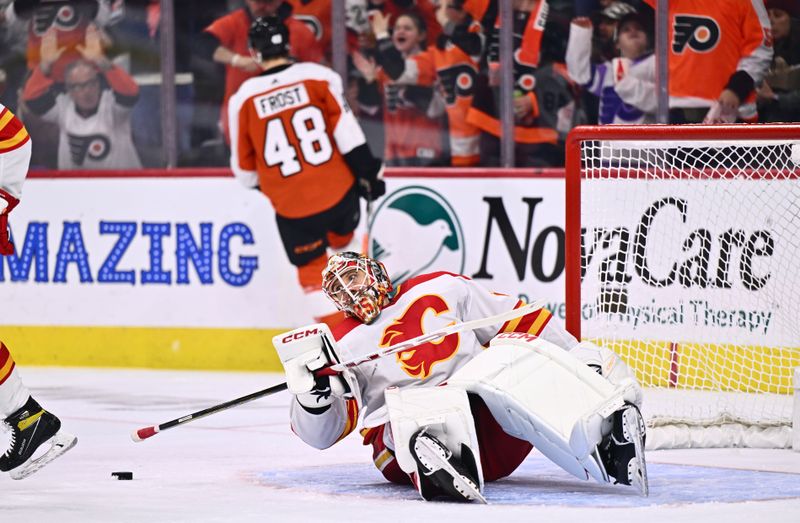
[{"x": 245, "y": 464}]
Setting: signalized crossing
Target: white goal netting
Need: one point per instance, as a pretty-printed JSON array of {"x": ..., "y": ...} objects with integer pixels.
[{"x": 690, "y": 264}]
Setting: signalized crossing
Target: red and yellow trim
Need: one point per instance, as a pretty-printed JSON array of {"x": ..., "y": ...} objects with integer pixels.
[
  {"x": 533, "y": 323},
  {"x": 383, "y": 459},
  {"x": 382, "y": 456},
  {"x": 12, "y": 133},
  {"x": 352, "y": 419},
  {"x": 6, "y": 363}
]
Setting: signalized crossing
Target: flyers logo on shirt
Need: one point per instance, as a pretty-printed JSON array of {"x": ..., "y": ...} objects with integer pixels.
[
  {"x": 313, "y": 24},
  {"x": 418, "y": 361},
  {"x": 96, "y": 147},
  {"x": 457, "y": 81},
  {"x": 699, "y": 33},
  {"x": 64, "y": 16}
]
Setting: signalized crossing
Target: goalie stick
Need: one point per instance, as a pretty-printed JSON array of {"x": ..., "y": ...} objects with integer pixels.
[
  {"x": 367, "y": 219},
  {"x": 148, "y": 432}
]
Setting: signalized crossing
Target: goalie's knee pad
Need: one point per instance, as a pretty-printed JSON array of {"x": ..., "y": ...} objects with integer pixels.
[
  {"x": 442, "y": 415},
  {"x": 540, "y": 393}
]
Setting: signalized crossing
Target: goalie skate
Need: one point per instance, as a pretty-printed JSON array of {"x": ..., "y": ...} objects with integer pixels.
[
  {"x": 622, "y": 451},
  {"x": 442, "y": 469}
]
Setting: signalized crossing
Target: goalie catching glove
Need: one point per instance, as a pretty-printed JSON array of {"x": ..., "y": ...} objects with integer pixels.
[{"x": 303, "y": 351}]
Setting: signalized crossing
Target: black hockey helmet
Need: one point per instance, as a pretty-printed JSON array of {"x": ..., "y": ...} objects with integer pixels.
[{"x": 269, "y": 37}]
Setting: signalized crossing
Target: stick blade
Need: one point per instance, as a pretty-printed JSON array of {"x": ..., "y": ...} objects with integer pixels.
[{"x": 143, "y": 434}]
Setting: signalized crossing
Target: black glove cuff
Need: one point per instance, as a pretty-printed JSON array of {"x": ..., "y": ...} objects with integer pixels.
[{"x": 742, "y": 84}]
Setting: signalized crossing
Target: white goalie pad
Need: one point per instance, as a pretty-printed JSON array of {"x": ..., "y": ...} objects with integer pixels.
[
  {"x": 443, "y": 410},
  {"x": 541, "y": 393}
]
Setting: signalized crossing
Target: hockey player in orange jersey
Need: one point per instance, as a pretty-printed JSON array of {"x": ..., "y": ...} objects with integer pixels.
[
  {"x": 226, "y": 39},
  {"x": 294, "y": 137},
  {"x": 31, "y": 426},
  {"x": 719, "y": 51},
  {"x": 450, "y": 414}
]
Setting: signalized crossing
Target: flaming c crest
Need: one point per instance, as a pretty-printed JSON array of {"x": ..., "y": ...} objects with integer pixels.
[{"x": 418, "y": 361}]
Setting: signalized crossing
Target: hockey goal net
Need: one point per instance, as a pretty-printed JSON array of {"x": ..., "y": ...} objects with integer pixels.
[{"x": 683, "y": 256}]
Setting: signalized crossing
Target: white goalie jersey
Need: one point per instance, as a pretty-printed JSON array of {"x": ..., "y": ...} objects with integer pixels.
[{"x": 422, "y": 304}]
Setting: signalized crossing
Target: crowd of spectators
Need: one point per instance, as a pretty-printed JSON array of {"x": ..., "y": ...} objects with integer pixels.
[{"x": 424, "y": 75}]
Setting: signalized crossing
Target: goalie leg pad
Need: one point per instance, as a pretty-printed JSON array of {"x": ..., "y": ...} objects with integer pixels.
[
  {"x": 610, "y": 366},
  {"x": 443, "y": 413},
  {"x": 540, "y": 393}
]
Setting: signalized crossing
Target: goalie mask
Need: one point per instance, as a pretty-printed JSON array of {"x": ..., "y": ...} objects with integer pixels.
[{"x": 357, "y": 284}]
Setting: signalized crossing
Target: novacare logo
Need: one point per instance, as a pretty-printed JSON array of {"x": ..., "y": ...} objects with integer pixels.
[{"x": 415, "y": 230}]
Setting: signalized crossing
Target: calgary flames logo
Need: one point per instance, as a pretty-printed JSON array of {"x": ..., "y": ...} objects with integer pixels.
[{"x": 418, "y": 361}]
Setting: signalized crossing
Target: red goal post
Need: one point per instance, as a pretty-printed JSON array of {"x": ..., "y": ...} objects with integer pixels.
[{"x": 681, "y": 251}]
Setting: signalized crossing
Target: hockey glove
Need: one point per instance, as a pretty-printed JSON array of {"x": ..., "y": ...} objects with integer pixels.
[
  {"x": 7, "y": 204},
  {"x": 371, "y": 186},
  {"x": 299, "y": 363}
]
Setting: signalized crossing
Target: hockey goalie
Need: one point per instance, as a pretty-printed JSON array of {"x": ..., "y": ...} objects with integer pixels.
[{"x": 448, "y": 415}]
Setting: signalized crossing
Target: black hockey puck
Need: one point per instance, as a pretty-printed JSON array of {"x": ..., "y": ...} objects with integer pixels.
[{"x": 122, "y": 475}]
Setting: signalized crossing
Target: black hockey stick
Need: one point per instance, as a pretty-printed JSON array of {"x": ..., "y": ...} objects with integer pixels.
[{"x": 148, "y": 432}]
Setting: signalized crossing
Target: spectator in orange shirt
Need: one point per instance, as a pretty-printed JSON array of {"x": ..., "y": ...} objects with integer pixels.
[
  {"x": 411, "y": 113},
  {"x": 719, "y": 51},
  {"x": 68, "y": 18},
  {"x": 316, "y": 14},
  {"x": 229, "y": 37},
  {"x": 451, "y": 66}
]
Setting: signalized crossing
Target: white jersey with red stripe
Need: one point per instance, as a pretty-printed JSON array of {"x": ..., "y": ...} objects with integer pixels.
[
  {"x": 15, "y": 154},
  {"x": 422, "y": 304}
]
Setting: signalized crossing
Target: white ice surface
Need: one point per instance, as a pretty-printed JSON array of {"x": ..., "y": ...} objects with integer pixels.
[{"x": 245, "y": 464}]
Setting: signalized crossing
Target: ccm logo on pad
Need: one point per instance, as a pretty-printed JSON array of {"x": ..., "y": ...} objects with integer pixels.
[{"x": 294, "y": 336}]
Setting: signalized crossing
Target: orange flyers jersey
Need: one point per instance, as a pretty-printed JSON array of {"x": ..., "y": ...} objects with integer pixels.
[
  {"x": 231, "y": 31},
  {"x": 316, "y": 14},
  {"x": 456, "y": 72},
  {"x": 709, "y": 41},
  {"x": 69, "y": 21},
  {"x": 12, "y": 132},
  {"x": 409, "y": 132},
  {"x": 290, "y": 128}
]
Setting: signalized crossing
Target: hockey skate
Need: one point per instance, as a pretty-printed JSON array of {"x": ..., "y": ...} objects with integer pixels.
[
  {"x": 622, "y": 451},
  {"x": 31, "y": 428},
  {"x": 441, "y": 472}
]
